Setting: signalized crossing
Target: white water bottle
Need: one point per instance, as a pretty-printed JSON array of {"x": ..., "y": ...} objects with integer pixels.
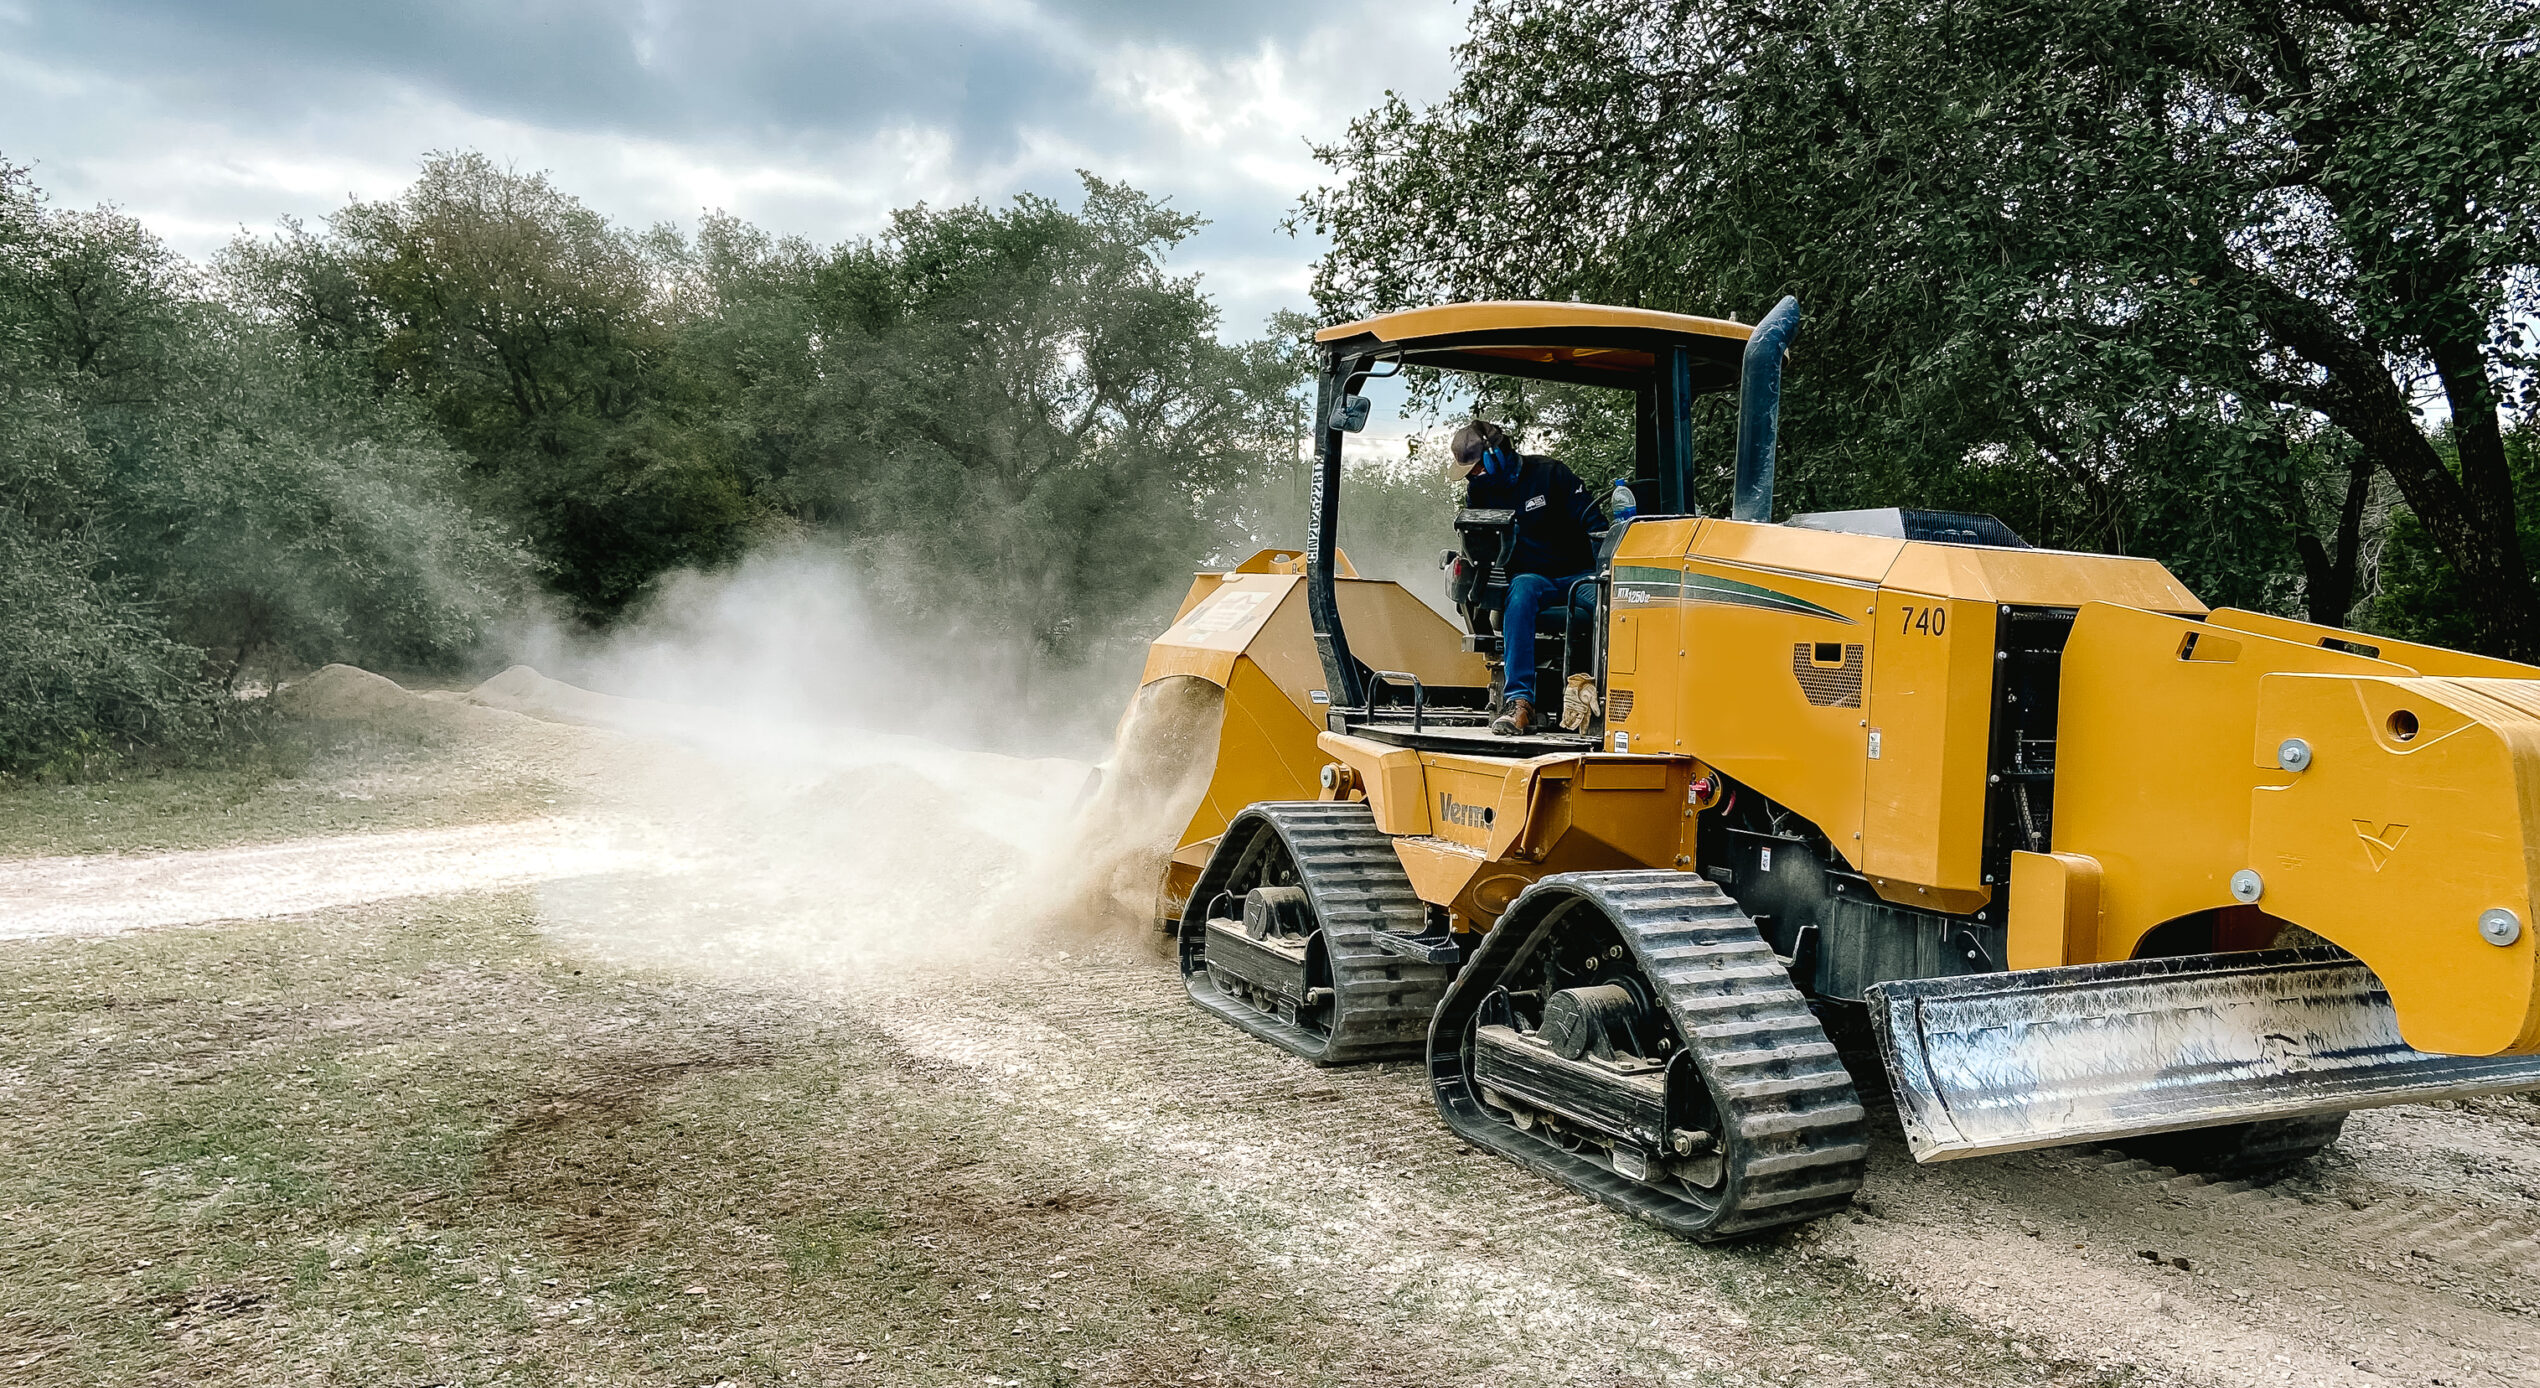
[{"x": 1623, "y": 506}]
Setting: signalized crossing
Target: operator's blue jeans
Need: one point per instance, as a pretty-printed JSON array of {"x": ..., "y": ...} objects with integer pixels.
[{"x": 1528, "y": 595}]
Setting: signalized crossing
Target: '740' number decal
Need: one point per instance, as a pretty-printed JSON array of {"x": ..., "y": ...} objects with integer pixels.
[{"x": 1930, "y": 621}]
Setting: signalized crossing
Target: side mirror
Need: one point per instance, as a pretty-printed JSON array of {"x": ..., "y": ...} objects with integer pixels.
[{"x": 1349, "y": 414}]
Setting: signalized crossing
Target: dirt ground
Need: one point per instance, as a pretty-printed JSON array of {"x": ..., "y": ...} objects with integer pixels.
[{"x": 622, "y": 1090}]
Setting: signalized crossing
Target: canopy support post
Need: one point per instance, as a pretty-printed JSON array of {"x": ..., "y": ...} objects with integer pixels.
[
  {"x": 1322, "y": 541},
  {"x": 1671, "y": 410}
]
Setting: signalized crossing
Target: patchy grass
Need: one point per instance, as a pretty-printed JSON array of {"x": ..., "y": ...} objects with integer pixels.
[
  {"x": 300, "y": 777},
  {"x": 423, "y": 1143},
  {"x": 415, "y": 1144}
]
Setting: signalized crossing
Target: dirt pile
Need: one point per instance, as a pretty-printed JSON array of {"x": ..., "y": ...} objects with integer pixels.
[
  {"x": 523, "y": 690},
  {"x": 350, "y": 694}
]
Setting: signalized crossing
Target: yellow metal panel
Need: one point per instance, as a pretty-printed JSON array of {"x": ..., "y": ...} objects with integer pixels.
[
  {"x": 1390, "y": 629},
  {"x": 1211, "y": 632},
  {"x": 1473, "y": 831},
  {"x": 1831, "y": 553},
  {"x": 2054, "y": 909},
  {"x": 2393, "y": 845},
  {"x": 1469, "y": 802},
  {"x": 1445, "y": 320},
  {"x": 1659, "y": 539},
  {"x": 1265, "y": 751},
  {"x": 1248, "y": 632},
  {"x": 1606, "y": 773},
  {"x": 2039, "y": 577},
  {"x": 2153, "y": 764},
  {"x": 1644, "y": 705},
  {"x": 1216, "y": 667},
  {"x": 1623, "y": 813},
  {"x": 1439, "y": 869},
  {"x": 1931, "y": 726},
  {"x": 1263, "y": 616},
  {"x": 1395, "y": 782},
  {"x": 1622, "y": 642},
  {"x": 1644, "y": 623},
  {"x": 1284, "y": 649},
  {"x": 1744, "y": 709},
  {"x": 2425, "y": 660}
]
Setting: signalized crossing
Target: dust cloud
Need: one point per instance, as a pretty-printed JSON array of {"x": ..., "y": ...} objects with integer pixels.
[
  {"x": 812, "y": 798},
  {"x": 798, "y": 636}
]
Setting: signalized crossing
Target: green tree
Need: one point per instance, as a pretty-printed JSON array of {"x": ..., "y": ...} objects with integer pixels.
[
  {"x": 1033, "y": 418},
  {"x": 2127, "y": 259},
  {"x": 187, "y": 494},
  {"x": 537, "y": 334},
  {"x": 1017, "y": 416}
]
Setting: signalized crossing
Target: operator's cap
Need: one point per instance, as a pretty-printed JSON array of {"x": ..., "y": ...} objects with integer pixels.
[{"x": 1466, "y": 448}]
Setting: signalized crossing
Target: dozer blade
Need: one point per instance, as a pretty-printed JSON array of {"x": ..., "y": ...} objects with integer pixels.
[{"x": 2089, "y": 1053}]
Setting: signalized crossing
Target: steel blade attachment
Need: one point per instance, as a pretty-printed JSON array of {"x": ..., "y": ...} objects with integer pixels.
[{"x": 2005, "y": 1062}]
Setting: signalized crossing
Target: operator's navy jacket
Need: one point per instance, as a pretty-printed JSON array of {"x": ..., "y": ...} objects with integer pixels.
[{"x": 1554, "y": 515}]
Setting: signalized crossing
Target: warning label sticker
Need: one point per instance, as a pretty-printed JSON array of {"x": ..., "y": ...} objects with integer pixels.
[{"x": 1214, "y": 618}]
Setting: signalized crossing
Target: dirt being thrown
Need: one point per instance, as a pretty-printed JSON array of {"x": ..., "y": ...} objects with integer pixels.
[{"x": 1162, "y": 759}]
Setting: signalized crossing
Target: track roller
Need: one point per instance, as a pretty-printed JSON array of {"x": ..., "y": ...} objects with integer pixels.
[
  {"x": 1630, "y": 1035},
  {"x": 1297, "y": 932}
]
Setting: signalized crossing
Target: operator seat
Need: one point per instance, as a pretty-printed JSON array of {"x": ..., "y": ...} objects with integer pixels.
[{"x": 1477, "y": 583}]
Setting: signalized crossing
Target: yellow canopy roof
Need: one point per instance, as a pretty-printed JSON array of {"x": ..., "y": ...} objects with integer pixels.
[
  {"x": 1493, "y": 315},
  {"x": 1597, "y": 343}
]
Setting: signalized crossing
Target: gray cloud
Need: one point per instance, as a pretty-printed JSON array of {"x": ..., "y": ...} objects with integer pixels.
[
  {"x": 661, "y": 71},
  {"x": 983, "y": 73},
  {"x": 811, "y": 119}
]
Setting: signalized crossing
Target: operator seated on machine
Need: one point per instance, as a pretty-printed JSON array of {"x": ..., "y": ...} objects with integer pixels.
[{"x": 1553, "y": 549}]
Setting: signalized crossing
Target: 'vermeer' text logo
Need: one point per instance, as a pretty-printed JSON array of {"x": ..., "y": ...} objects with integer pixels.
[{"x": 1455, "y": 811}]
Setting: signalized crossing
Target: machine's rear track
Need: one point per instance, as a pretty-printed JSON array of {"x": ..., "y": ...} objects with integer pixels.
[
  {"x": 1738, "y": 1047},
  {"x": 1319, "y": 984}
]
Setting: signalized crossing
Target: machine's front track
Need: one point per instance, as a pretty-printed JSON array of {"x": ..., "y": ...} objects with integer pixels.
[
  {"x": 1630, "y": 1035},
  {"x": 1304, "y": 931}
]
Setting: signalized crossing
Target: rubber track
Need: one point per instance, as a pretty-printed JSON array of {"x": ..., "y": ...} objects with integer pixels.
[
  {"x": 1781, "y": 1085},
  {"x": 1357, "y": 886}
]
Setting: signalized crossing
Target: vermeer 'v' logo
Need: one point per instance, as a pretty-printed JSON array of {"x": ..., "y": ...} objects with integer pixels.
[{"x": 2379, "y": 843}]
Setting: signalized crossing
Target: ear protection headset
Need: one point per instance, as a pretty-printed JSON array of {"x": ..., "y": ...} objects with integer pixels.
[{"x": 1499, "y": 458}]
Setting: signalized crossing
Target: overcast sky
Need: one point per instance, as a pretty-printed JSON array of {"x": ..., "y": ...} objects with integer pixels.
[{"x": 816, "y": 119}]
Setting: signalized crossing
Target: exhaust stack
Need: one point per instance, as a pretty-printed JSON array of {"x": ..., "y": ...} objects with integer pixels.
[{"x": 1759, "y": 408}]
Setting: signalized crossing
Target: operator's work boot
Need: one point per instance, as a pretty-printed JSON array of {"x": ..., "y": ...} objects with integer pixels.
[{"x": 1516, "y": 720}]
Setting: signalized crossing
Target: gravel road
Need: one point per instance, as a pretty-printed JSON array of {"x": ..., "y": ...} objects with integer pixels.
[{"x": 102, "y": 894}]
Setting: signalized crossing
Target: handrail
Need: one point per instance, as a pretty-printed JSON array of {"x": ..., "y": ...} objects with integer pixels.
[
  {"x": 1419, "y": 692},
  {"x": 1570, "y": 624}
]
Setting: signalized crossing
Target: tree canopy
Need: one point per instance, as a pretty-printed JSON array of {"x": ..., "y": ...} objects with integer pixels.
[
  {"x": 1019, "y": 408},
  {"x": 375, "y": 440},
  {"x": 2189, "y": 279},
  {"x": 184, "y": 491}
]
